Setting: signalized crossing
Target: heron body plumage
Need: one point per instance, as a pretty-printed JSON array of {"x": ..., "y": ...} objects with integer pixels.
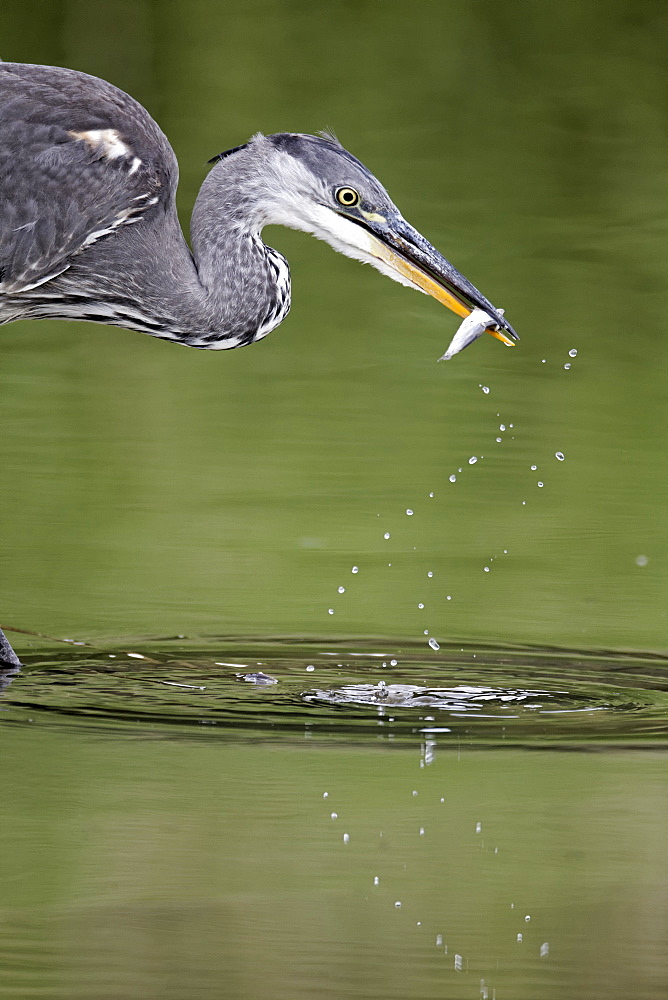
[
  {"x": 89, "y": 229},
  {"x": 80, "y": 162}
]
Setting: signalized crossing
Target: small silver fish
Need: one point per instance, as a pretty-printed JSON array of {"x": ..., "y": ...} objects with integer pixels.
[{"x": 470, "y": 329}]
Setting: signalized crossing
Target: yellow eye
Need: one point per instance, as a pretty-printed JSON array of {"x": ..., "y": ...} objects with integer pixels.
[{"x": 347, "y": 196}]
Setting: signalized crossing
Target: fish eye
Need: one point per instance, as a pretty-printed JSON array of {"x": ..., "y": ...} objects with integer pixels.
[{"x": 346, "y": 196}]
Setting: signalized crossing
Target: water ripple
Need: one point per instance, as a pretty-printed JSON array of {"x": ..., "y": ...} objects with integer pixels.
[{"x": 351, "y": 688}]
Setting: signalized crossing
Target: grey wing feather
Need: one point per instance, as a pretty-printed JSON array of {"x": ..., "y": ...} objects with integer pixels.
[{"x": 78, "y": 159}]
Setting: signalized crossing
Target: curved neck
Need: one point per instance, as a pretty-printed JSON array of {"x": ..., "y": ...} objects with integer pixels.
[
  {"x": 246, "y": 283},
  {"x": 245, "y": 288},
  {"x": 230, "y": 291}
]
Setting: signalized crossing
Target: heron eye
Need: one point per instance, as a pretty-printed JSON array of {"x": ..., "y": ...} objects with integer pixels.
[{"x": 347, "y": 196}]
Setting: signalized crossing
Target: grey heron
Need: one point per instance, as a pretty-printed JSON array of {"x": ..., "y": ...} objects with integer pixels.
[{"x": 89, "y": 230}]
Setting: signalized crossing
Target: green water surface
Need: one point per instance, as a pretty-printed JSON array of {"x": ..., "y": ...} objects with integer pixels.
[{"x": 205, "y": 511}]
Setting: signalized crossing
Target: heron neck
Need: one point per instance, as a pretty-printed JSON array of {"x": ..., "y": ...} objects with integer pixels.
[{"x": 246, "y": 284}]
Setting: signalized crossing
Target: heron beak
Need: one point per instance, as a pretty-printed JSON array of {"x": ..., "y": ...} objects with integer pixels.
[{"x": 404, "y": 250}]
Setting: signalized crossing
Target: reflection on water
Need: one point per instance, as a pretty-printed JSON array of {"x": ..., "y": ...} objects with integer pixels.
[{"x": 173, "y": 828}]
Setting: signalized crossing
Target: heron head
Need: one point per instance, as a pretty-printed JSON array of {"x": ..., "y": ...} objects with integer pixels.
[{"x": 312, "y": 183}]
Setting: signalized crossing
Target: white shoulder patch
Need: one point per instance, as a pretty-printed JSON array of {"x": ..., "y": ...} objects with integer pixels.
[
  {"x": 108, "y": 143},
  {"x": 106, "y": 140}
]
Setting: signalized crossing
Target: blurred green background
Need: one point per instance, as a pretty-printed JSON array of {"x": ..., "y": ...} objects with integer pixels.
[
  {"x": 196, "y": 868},
  {"x": 149, "y": 489}
]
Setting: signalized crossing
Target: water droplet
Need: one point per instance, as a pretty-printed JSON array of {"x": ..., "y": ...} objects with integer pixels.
[
  {"x": 342, "y": 590},
  {"x": 527, "y": 919},
  {"x": 567, "y": 365},
  {"x": 486, "y": 569},
  {"x": 439, "y": 940},
  {"x": 325, "y": 795},
  {"x": 485, "y": 389},
  {"x": 559, "y": 455},
  {"x": 642, "y": 560},
  {"x": 478, "y": 828},
  {"x": 334, "y": 815},
  {"x": 376, "y": 880},
  {"x": 414, "y": 793},
  {"x": 355, "y": 569},
  {"x": 434, "y": 644},
  {"x": 409, "y": 511},
  {"x": 539, "y": 483},
  {"x": 310, "y": 668},
  {"x": 346, "y": 838},
  {"x": 502, "y": 427},
  {"x": 386, "y": 535},
  {"x": 533, "y": 468},
  {"x": 398, "y": 904},
  {"x": 519, "y": 938},
  {"x": 453, "y": 478},
  {"x": 573, "y": 352},
  {"x": 430, "y": 574},
  {"x": 330, "y": 611},
  {"x": 431, "y": 494},
  {"x": 393, "y": 663},
  {"x": 420, "y": 606},
  {"x": 449, "y": 597},
  {"x": 544, "y": 949},
  {"x": 543, "y": 360},
  {"x": 498, "y": 440},
  {"x": 472, "y": 460},
  {"x": 505, "y": 552}
]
